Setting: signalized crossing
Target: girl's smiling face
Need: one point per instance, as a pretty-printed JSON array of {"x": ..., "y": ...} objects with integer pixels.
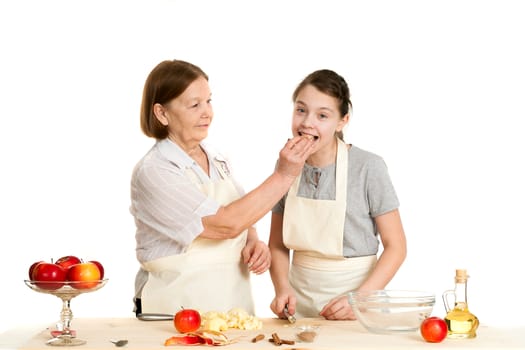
[{"x": 317, "y": 114}]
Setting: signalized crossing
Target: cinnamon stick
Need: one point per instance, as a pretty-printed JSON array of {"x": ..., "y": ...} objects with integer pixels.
[
  {"x": 257, "y": 338},
  {"x": 276, "y": 339}
]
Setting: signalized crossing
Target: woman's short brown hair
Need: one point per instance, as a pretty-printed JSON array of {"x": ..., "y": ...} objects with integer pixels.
[{"x": 168, "y": 80}]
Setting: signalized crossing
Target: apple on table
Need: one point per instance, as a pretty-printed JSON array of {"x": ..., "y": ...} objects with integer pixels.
[
  {"x": 433, "y": 329},
  {"x": 187, "y": 320}
]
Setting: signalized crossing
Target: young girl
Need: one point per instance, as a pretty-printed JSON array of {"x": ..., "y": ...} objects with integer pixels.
[{"x": 334, "y": 213}]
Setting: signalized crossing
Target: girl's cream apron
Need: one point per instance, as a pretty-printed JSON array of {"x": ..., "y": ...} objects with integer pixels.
[
  {"x": 314, "y": 229},
  {"x": 209, "y": 276}
]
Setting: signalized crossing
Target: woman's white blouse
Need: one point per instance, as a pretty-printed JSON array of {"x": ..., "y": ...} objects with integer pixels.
[{"x": 165, "y": 203}]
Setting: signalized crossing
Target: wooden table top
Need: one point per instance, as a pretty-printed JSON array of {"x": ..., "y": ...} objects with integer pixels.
[{"x": 334, "y": 335}]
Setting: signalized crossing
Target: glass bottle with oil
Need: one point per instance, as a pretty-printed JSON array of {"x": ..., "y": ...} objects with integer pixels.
[{"x": 460, "y": 321}]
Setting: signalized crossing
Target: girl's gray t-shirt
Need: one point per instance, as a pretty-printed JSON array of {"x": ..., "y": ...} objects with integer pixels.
[{"x": 370, "y": 193}]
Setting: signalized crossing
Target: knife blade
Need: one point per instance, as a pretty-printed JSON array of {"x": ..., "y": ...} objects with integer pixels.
[
  {"x": 154, "y": 317},
  {"x": 290, "y": 318}
]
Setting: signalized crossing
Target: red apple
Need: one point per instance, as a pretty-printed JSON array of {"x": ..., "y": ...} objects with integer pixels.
[
  {"x": 187, "y": 320},
  {"x": 84, "y": 275},
  {"x": 68, "y": 261},
  {"x": 50, "y": 275},
  {"x": 433, "y": 329},
  {"x": 100, "y": 267},
  {"x": 32, "y": 268}
]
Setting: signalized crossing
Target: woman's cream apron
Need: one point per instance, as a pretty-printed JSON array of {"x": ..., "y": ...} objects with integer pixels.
[
  {"x": 209, "y": 276},
  {"x": 314, "y": 229}
]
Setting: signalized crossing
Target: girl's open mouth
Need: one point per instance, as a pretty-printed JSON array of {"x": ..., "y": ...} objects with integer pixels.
[{"x": 308, "y": 136}]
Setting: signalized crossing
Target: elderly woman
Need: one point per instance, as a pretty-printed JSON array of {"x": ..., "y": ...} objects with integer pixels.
[{"x": 195, "y": 237}]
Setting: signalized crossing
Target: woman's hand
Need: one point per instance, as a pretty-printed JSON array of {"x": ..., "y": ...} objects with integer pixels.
[
  {"x": 280, "y": 301},
  {"x": 293, "y": 155},
  {"x": 256, "y": 254},
  {"x": 338, "y": 309}
]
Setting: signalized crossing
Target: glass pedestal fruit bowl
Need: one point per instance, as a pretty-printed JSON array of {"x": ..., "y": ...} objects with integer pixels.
[{"x": 66, "y": 291}]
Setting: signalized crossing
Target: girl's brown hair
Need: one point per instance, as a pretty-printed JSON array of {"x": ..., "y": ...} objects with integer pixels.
[{"x": 168, "y": 80}]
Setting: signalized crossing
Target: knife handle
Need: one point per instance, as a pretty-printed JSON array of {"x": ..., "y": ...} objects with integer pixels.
[{"x": 290, "y": 318}]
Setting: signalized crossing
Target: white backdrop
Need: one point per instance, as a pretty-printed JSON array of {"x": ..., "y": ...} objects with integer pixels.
[{"x": 438, "y": 90}]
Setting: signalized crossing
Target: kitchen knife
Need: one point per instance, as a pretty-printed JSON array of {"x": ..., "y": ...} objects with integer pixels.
[
  {"x": 154, "y": 317},
  {"x": 290, "y": 318}
]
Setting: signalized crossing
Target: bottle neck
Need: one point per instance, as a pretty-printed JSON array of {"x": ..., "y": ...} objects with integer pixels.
[{"x": 461, "y": 295}]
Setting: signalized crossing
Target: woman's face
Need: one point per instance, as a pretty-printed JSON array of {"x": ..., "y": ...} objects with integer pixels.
[
  {"x": 189, "y": 116},
  {"x": 317, "y": 114}
]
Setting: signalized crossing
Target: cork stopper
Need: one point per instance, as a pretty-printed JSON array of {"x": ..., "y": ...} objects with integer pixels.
[{"x": 461, "y": 276}]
